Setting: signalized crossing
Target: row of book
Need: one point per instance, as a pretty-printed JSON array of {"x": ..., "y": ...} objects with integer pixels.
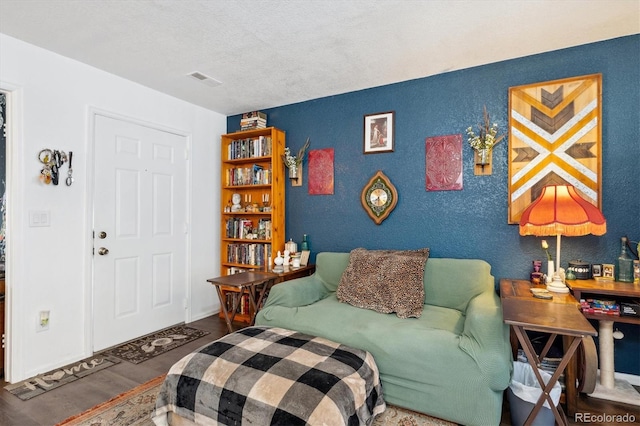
[
  {"x": 256, "y": 254},
  {"x": 255, "y": 175},
  {"x": 600, "y": 306},
  {"x": 243, "y": 228},
  {"x": 249, "y": 148},
  {"x": 253, "y": 120}
]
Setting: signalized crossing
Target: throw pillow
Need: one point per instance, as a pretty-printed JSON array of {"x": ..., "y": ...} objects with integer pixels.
[{"x": 385, "y": 281}]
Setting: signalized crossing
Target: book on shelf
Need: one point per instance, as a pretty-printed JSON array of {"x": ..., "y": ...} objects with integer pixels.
[
  {"x": 253, "y": 123},
  {"x": 600, "y": 306},
  {"x": 249, "y": 148},
  {"x": 255, "y": 114}
]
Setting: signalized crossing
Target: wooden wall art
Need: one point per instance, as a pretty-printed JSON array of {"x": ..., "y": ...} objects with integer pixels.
[
  {"x": 444, "y": 163},
  {"x": 555, "y": 133},
  {"x": 321, "y": 171}
]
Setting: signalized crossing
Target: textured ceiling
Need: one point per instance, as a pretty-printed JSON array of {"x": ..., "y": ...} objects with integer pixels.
[{"x": 277, "y": 52}]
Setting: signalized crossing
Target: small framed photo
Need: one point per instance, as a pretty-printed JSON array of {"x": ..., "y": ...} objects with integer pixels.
[
  {"x": 378, "y": 132},
  {"x": 596, "y": 270},
  {"x": 607, "y": 271},
  {"x": 304, "y": 257}
]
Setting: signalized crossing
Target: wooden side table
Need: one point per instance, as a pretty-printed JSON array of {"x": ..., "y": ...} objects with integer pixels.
[
  {"x": 250, "y": 281},
  {"x": 555, "y": 317}
]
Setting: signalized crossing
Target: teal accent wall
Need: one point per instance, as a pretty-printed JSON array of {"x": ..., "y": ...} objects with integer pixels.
[{"x": 471, "y": 223}]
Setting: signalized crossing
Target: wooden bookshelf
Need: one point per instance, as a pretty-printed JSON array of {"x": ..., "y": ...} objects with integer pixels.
[{"x": 252, "y": 167}]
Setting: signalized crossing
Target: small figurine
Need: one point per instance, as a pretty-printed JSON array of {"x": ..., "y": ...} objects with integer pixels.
[
  {"x": 537, "y": 275},
  {"x": 236, "y": 199},
  {"x": 279, "y": 260}
]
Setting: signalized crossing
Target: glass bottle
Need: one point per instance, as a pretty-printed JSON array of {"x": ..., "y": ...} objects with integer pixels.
[
  {"x": 624, "y": 264},
  {"x": 305, "y": 243}
]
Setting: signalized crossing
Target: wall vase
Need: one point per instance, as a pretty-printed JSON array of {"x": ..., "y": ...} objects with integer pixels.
[
  {"x": 293, "y": 172},
  {"x": 484, "y": 156}
]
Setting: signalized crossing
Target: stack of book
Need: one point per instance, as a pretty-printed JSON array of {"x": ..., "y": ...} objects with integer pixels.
[
  {"x": 253, "y": 120},
  {"x": 599, "y": 306}
]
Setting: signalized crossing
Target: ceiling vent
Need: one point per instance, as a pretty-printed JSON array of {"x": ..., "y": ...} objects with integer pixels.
[{"x": 209, "y": 81}]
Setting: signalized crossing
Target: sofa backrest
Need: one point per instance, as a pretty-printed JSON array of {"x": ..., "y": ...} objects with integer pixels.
[
  {"x": 449, "y": 283},
  {"x": 452, "y": 283}
]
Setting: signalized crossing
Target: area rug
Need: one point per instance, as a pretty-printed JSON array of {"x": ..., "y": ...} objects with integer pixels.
[
  {"x": 42, "y": 383},
  {"x": 147, "y": 347},
  {"x": 134, "y": 408}
]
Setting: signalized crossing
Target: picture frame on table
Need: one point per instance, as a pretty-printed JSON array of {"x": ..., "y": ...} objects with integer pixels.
[
  {"x": 596, "y": 270},
  {"x": 608, "y": 271},
  {"x": 304, "y": 257},
  {"x": 379, "y": 130}
]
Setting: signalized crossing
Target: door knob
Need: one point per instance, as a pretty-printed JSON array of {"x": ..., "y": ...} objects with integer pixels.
[
  {"x": 102, "y": 235},
  {"x": 102, "y": 251}
]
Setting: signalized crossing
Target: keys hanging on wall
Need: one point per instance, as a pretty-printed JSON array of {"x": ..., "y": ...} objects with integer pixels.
[{"x": 52, "y": 161}]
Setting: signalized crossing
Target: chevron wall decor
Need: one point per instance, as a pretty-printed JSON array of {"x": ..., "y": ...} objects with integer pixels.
[{"x": 555, "y": 133}]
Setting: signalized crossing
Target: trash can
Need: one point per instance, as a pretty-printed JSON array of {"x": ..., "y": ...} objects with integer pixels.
[{"x": 523, "y": 393}]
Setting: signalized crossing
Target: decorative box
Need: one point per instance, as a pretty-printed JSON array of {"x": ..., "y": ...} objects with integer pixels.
[
  {"x": 630, "y": 308},
  {"x": 582, "y": 270}
]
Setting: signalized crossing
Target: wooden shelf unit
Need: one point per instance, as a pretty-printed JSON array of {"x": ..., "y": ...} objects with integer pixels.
[{"x": 242, "y": 154}]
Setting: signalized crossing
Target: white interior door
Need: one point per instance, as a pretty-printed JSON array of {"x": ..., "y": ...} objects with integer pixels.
[{"x": 140, "y": 227}]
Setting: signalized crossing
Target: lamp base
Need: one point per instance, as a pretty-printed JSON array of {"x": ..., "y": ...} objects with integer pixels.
[{"x": 557, "y": 286}]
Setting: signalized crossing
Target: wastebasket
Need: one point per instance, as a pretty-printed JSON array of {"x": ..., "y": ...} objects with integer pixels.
[{"x": 523, "y": 393}]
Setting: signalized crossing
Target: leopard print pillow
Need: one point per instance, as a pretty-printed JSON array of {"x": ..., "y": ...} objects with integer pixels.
[{"x": 385, "y": 281}]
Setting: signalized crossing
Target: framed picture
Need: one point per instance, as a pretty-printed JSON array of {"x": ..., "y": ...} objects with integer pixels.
[
  {"x": 378, "y": 132},
  {"x": 304, "y": 257},
  {"x": 607, "y": 271},
  {"x": 555, "y": 130},
  {"x": 596, "y": 270}
]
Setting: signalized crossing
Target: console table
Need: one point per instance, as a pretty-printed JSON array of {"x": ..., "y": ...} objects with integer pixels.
[
  {"x": 608, "y": 289},
  {"x": 559, "y": 316}
]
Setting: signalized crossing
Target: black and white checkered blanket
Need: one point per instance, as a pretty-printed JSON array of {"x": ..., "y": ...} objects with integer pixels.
[{"x": 272, "y": 376}]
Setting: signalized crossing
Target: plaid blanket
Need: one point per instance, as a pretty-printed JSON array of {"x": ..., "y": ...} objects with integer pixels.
[{"x": 272, "y": 376}]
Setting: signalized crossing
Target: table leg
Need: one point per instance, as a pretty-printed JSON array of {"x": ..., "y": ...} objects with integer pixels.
[
  {"x": 223, "y": 306},
  {"x": 570, "y": 377},
  {"x": 534, "y": 361}
]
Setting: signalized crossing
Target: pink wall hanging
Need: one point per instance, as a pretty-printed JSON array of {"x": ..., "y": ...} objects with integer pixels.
[
  {"x": 444, "y": 163},
  {"x": 321, "y": 171}
]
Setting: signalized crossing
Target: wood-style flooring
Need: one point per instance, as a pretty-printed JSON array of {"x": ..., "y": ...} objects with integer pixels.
[{"x": 76, "y": 397}]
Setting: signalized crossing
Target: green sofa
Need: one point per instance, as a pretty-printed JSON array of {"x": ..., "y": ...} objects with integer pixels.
[{"x": 454, "y": 362}]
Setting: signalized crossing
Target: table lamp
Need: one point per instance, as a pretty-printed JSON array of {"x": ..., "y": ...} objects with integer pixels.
[{"x": 560, "y": 210}]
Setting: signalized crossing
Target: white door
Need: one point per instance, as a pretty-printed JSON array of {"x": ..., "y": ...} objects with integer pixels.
[{"x": 140, "y": 241}]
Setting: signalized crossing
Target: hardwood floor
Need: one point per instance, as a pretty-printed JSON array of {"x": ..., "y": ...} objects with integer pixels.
[{"x": 73, "y": 398}]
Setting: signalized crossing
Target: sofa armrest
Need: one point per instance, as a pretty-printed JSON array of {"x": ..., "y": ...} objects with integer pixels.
[
  {"x": 485, "y": 338},
  {"x": 298, "y": 292}
]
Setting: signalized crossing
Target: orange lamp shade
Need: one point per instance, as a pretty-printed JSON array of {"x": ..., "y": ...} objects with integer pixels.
[{"x": 560, "y": 210}]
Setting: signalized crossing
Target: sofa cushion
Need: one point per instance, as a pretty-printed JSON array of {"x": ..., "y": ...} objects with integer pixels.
[{"x": 385, "y": 281}]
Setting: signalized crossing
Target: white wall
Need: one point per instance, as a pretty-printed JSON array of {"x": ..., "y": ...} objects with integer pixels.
[{"x": 50, "y": 267}]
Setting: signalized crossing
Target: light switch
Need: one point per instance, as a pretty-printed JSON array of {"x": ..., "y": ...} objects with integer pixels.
[{"x": 39, "y": 218}]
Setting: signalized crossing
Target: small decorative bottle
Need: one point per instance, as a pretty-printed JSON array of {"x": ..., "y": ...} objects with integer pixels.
[
  {"x": 624, "y": 264},
  {"x": 305, "y": 243}
]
